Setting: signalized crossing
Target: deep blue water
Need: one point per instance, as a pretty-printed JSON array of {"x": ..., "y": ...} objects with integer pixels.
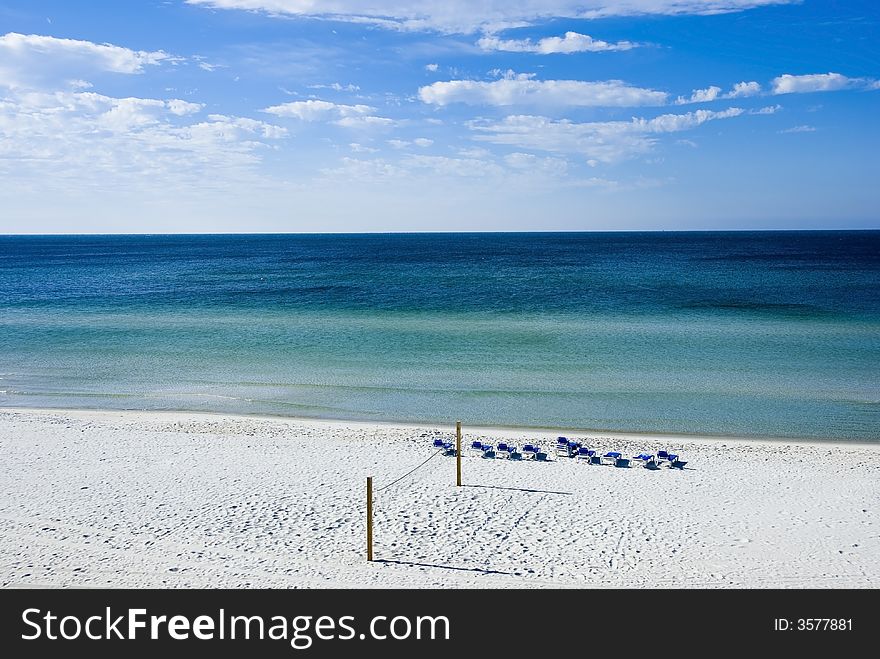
[{"x": 766, "y": 334}]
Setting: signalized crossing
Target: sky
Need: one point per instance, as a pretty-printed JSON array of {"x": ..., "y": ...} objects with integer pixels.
[{"x": 158, "y": 116}]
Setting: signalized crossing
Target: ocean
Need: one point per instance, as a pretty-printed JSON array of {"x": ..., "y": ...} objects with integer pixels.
[{"x": 768, "y": 334}]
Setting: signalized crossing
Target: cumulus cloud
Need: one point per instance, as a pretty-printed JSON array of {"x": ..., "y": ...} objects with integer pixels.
[
  {"x": 68, "y": 139},
  {"x": 29, "y": 60},
  {"x": 466, "y": 16},
  {"x": 713, "y": 93},
  {"x": 183, "y": 108},
  {"x": 605, "y": 141},
  {"x": 315, "y": 110},
  {"x": 572, "y": 42},
  {"x": 700, "y": 96},
  {"x": 744, "y": 89},
  {"x": 523, "y": 89},
  {"x": 432, "y": 67},
  {"x": 818, "y": 82}
]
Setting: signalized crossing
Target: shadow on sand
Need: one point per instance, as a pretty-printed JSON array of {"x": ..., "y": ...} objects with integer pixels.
[
  {"x": 444, "y": 567},
  {"x": 519, "y": 489}
]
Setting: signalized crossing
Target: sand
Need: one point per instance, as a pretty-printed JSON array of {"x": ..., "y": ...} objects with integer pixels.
[{"x": 155, "y": 499}]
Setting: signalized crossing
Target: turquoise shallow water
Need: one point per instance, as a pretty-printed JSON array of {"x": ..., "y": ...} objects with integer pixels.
[{"x": 764, "y": 334}]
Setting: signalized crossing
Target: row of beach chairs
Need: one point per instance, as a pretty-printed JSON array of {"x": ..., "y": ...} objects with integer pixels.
[
  {"x": 503, "y": 451},
  {"x": 574, "y": 449},
  {"x": 569, "y": 449}
]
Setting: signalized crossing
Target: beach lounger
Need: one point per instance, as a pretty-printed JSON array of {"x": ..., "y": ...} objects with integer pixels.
[
  {"x": 501, "y": 451},
  {"x": 595, "y": 459},
  {"x": 677, "y": 464},
  {"x": 530, "y": 451},
  {"x": 584, "y": 453},
  {"x": 611, "y": 457},
  {"x": 562, "y": 447},
  {"x": 643, "y": 458},
  {"x": 477, "y": 447},
  {"x": 449, "y": 449},
  {"x": 439, "y": 443}
]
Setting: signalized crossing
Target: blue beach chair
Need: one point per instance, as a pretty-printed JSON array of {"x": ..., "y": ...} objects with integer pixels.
[
  {"x": 562, "y": 447},
  {"x": 612, "y": 456},
  {"x": 583, "y": 453}
]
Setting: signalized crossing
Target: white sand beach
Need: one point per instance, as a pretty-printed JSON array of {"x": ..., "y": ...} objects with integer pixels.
[{"x": 151, "y": 499}]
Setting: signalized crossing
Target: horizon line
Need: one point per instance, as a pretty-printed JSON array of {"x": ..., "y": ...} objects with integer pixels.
[{"x": 427, "y": 232}]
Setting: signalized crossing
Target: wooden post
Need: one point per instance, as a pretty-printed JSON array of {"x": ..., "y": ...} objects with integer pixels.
[
  {"x": 369, "y": 518},
  {"x": 458, "y": 453}
]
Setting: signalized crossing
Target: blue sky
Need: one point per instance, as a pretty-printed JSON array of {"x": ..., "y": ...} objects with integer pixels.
[{"x": 288, "y": 115}]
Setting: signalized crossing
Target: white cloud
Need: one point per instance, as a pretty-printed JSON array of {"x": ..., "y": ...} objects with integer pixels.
[
  {"x": 700, "y": 96},
  {"x": 315, "y": 110},
  {"x": 182, "y": 108},
  {"x": 744, "y": 89},
  {"x": 606, "y": 141},
  {"x": 360, "y": 148},
  {"x": 365, "y": 122},
  {"x": 768, "y": 109},
  {"x": 28, "y": 60},
  {"x": 524, "y": 90},
  {"x": 713, "y": 93},
  {"x": 432, "y": 67},
  {"x": 572, "y": 42},
  {"x": 818, "y": 82},
  {"x": 466, "y": 16},
  {"x": 799, "y": 129},
  {"x": 421, "y": 142},
  {"x": 69, "y": 141},
  {"x": 337, "y": 87}
]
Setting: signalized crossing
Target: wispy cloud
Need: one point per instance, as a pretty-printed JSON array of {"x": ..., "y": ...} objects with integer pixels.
[
  {"x": 571, "y": 42},
  {"x": 799, "y": 129},
  {"x": 606, "y": 141},
  {"x": 466, "y": 16},
  {"x": 523, "y": 89},
  {"x": 337, "y": 87}
]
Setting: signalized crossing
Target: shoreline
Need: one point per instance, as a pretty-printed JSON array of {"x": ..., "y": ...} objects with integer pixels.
[{"x": 500, "y": 429}]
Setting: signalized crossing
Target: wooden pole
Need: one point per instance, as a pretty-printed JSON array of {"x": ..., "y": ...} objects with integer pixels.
[
  {"x": 369, "y": 518},
  {"x": 458, "y": 453}
]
